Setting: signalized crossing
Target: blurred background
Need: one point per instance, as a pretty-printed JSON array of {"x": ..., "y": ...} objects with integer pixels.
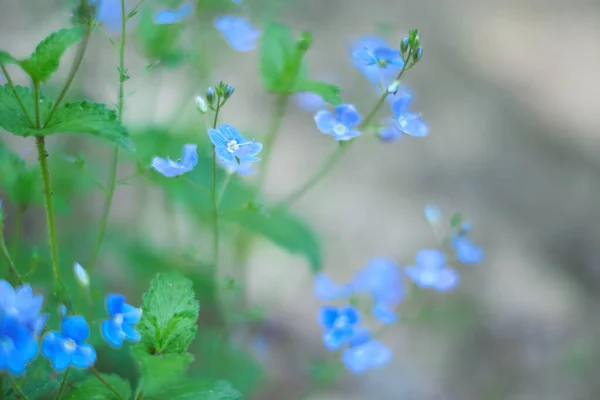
[{"x": 510, "y": 92}]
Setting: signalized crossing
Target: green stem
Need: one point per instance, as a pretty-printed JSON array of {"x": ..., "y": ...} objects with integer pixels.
[
  {"x": 74, "y": 68},
  {"x": 274, "y": 127},
  {"x": 215, "y": 194},
  {"x": 11, "y": 265},
  {"x": 62, "y": 384},
  {"x": 108, "y": 199},
  {"x": 18, "y": 230},
  {"x": 105, "y": 383},
  {"x": 14, "y": 90},
  {"x": 223, "y": 188},
  {"x": 17, "y": 388}
]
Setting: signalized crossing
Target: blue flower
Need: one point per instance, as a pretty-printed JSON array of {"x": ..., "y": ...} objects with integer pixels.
[
  {"x": 325, "y": 289},
  {"x": 167, "y": 16},
  {"x": 430, "y": 271},
  {"x": 380, "y": 56},
  {"x": 123, "y": 317},
  {"x": 467, "y": 252},
  {"x": 22, "y": 305},
  {"x": 170, "y": 168},
  {"x": 372, "y": 71},
  {"x": 233, "y": 151},
  {"x": 341, "y": 123},
  {"x": 18, "y": 345},
  {"x": 404, "y": 121},
  {"x": 309, "y": 101},
  {"x": 68, "y": 347},
  {"x": 108, "y": 13},
  {"x": 364, "y": 353},
  {"x": 339, "y": 325},
  {"x": 382, "y": 279},
  {"x": 238, "y": 32}
]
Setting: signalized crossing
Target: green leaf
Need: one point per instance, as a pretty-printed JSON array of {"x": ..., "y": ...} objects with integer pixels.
[
  {"x": 46, "y": 58},
  {"x": 194, "y": 390},
  {"x": 277, "y": 52},
  {"x": 82, "y": 117},
  {"x": 159, "y": 371},
  {"x": 6, "y": 58},
  {"x": 455, "y": 220},
  {"x": 93, "y": 389},
  {"x": 170, "y": 311},
  {"x": 329, "y": 93},
  {"x": 12, "y": 118}
]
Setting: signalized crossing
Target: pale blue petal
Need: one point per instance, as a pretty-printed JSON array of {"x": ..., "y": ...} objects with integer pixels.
[
  {"x": 347, "y": 115},
  {"x": 466, "y": 251},
  {"x": 238, "y": 32},
  {"x": 171, "y": 16},
  {"x": 309, "y": 101},
  {"x": 447, "y": 279},
  {"x": 328, "y": 315},
  {"x": 7, "y": 296},
  {"x": 112, "y": 333},
  {"x": 432, "y": 213},
  {"x": 217, "y": 138},
  {"x": 325, "y": 121},
  {"x": 384, "y": 314},
  {"x": 131, "y": 334},
  {"x": 229, "y": 132},
  {"x": 369, "y": 355},
  {"x": 75, "y": 328},
  {"x": 351, "y": 314},
  {"x": 348, "y": 135},
  {"x": 390, "y": 132},
  {"x": 401, "y": 104},
  {"x": 53, "y": 350},
  {"x": 84, "y": 356},
  {"x": 167, "y": 167},
  {"x": 324, "y": 288},
  {"x": 389, "y": 55},
  {"x": 413, "y": 125},
  {"x": 40, "y": 323},
  {"x": 114, "y": 304},
  {"x": 365, "y": 56},
  {"x": 190, "y": 156},
  {"x": 334, "y": 339},
  {"x": 430, "y": 258},
  {"x": 131, "y": 315}
]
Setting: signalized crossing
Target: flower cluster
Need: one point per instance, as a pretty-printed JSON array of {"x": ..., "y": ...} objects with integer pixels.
[
  {"x": 382, "y": 281},
  {"x": 21, "y": 324}
]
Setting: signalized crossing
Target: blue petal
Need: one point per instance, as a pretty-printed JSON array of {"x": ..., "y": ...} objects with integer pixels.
[
  {"x": 40, "y": 323},
  {"x": 217, "y": 138},
  {"x": 131, "y": 334},
  {"x": 365, "y": 56},
  {"x": 167, "y": 167},
  {"x": 190, "y": 156},
  {"x": 334, "y": 339},
  {"x": 109, "y": 14},
  {"x": 432, "y": 213},
  {"x": 309, "y": 101},
  {"x": 112, "y": 333},
  {"x": 53, "y": 350},
  {"x": 413, "y": 125},
  {"x": 466, "y": 251},
  {"x": 351, "y": 314},
  {"x": 325, "y": 289},
  {"x": 347, "y": 115},
  {"x": 75, "y": 328},
  {"x": 172, "y": 16},
  {"x": 430, "y": 258},
  {"x": 84, "y": 356},
  {"x": 131, "y": 315},
  {"x": 389, "y": 55},
  {"x": 369, "y": 355},
  {"x": 447, "y": 279},
  {"x": 325, "y": 121},
  {"x": 229, "y": 132},
  {"x": 382, "y": 278},
  {"x": 7, "y": 296},
  {"x": 351, "y": 134},
  {"x": 238, "y": 32},
  {"x": 248, "y": 150},
  {"x": 390, "y": 132},
  {"x": 328, "y": 315},
  {"x": 401, "y": 104},
  {"x": 423, "y": 277},
  {"x": 15, "y": 364},
  {"x": 384, "y": 314},
  {"x": 114, "y": 304}
]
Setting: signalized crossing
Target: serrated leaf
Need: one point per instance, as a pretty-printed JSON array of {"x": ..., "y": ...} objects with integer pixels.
[
  {"x": 92, "y": 118},
  {"x": 159, "y": 371},
  {"x": 12, "y": 118},
  {"x": 277, "y": 50},
  {"x": 93, "y": 389},
  {"x": 170, "y": 311},
  {"x": 194, "y": 390},
  {"x": 6, "y": 58},
  {"x": 45, "y": 60},
  {"x": 330, "y": 93}
]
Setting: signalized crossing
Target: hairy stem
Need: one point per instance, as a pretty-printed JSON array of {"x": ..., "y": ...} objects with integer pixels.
[{"x": 108, "y": 199}]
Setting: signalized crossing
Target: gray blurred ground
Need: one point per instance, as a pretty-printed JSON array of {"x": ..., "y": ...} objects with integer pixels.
[{"x": 510, "y": 89}]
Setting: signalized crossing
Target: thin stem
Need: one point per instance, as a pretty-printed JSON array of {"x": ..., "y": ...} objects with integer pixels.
[
  {"x": 223, "y": 188},
  {"x": 105, "y": 383},
  {"x": 18, "y": 230},
  {"x": 194, "y": 184},
  {"x": 11, "y": 265},
  {"x": 74, "y": 68},
  {"x": 214, "y": 194},
  {"x": 36, "y": 103},
  {"x": 17, "y": 97},
  {"x": 17, "y": 388},
  {"x": 62, "y": 384},
  {"x": 108, "y": 199},
  {"x": 274, "y": 127}
]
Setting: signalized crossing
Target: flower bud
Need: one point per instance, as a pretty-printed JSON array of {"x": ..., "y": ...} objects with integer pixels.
[
  {"x": 201, "y": 105},
  {"x": 210, "y": 95},
  {"x": 81, "y": 275},
  {"x": 417, "y": 54},
  {"x": 305, "y": 41},
  {"x": 404, "y": 46},
  {"x": 229, "y": 89},
  {"x": 393, "y": 88}
]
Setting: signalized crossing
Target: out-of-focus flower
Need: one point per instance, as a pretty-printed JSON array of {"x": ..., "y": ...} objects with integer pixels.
[
  {"x": 325, "y": 289},
  {"x": 364, "y": 353},
  {"x": 81, "y": 275},
  {"x": 238, "y": 32},
  {"x": 430, "y": 271},
  {"x": 22, "y": 305},
  {"x": 18, "y": 345},
  {"x": 467, "y": 252},
  {"x": 377, "y": 75},
  {"x": 170, "y": 168},
  {"x": 68, "y": 347},
  {"x": 339, "y": 325},
  {"x": 341, "y": 123},
  {"x": 404, "y": 121},
  {"x": 168, "y": 16},
  {"x": 120, "y": 325}
]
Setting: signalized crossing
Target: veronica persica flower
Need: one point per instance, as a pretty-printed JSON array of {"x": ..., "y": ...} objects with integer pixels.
[
  {"x": 325, "y": 289},
  {"x": 238, "y": 32},
  {"x": 22, "y": 305},
  {"x": 168, "y": 16},
  {"x": 364, "y": 353},
  {"x": 233, "y": 151},
  {"x": 68, "y": 347},
  {"x": 170, "y": 168},
  {"x": 368, "y": 57},
  {"x": 18, "y": 345},
  {"x": 430, "y": 271},
  {"x": 120, "y": 325},
  {"x": 381, "y": 56},
  {"x": 467, "y": 252},
  {"x": 382, "y": 279},
  {"x": 404, "y": 121},
  {"x": 339, "y": 325},
  {"x": 341, "y": 123}
]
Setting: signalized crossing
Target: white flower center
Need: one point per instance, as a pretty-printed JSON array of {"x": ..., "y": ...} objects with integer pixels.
[
  {"x": 118, "y": 319},
  {"x": 341, "y": 322},
  {"x": 339, "y": 129},
  {"x": 232, "y": 146},
  {"x": 70, "y": 345}
]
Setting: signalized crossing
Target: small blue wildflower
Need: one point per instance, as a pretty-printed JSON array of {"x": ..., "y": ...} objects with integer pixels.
[
  {"x": 309, "y": 101},
  {"x": 432, "y": 213},
  {"x": 122, "y": 319},
  {"x": 373, "y": 71},
  {"x": 325, "y": 289},
  {"x": 18, "y": 345},
  {"x": 167, "y": 16},
  {"x": 430, "y": 271},
  {"x": 404, "y": 121},
  {"x": 68, "y": 347},
  {"x": 22, "y": 305},
  {"x": 170, "y": 168},
  {"x": 341, "y": 123},
  {"x": 233, "y": 151},
  {"x": 339, "y": 325},
  {"x": 379, "y": 56},
  {"x": 382, "y": 279},
  {"x": 364, "y": 353},
  {"x": 467, "y": 252},
  {"x": 238, "y": 32}
]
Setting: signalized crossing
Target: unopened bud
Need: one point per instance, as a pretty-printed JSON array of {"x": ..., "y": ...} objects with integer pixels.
[
  {"x": 417, "y": 54},
  {"x": 210, "y": 95},
  {"x": 81, "y": 275},
  {"x": 404, "y": 46},
  {"x": 304, "y": 42},
  {"x": 201, "y": 105},
  {"x": 229, "y": 89},
  {"x": 393, "y": 88}
]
